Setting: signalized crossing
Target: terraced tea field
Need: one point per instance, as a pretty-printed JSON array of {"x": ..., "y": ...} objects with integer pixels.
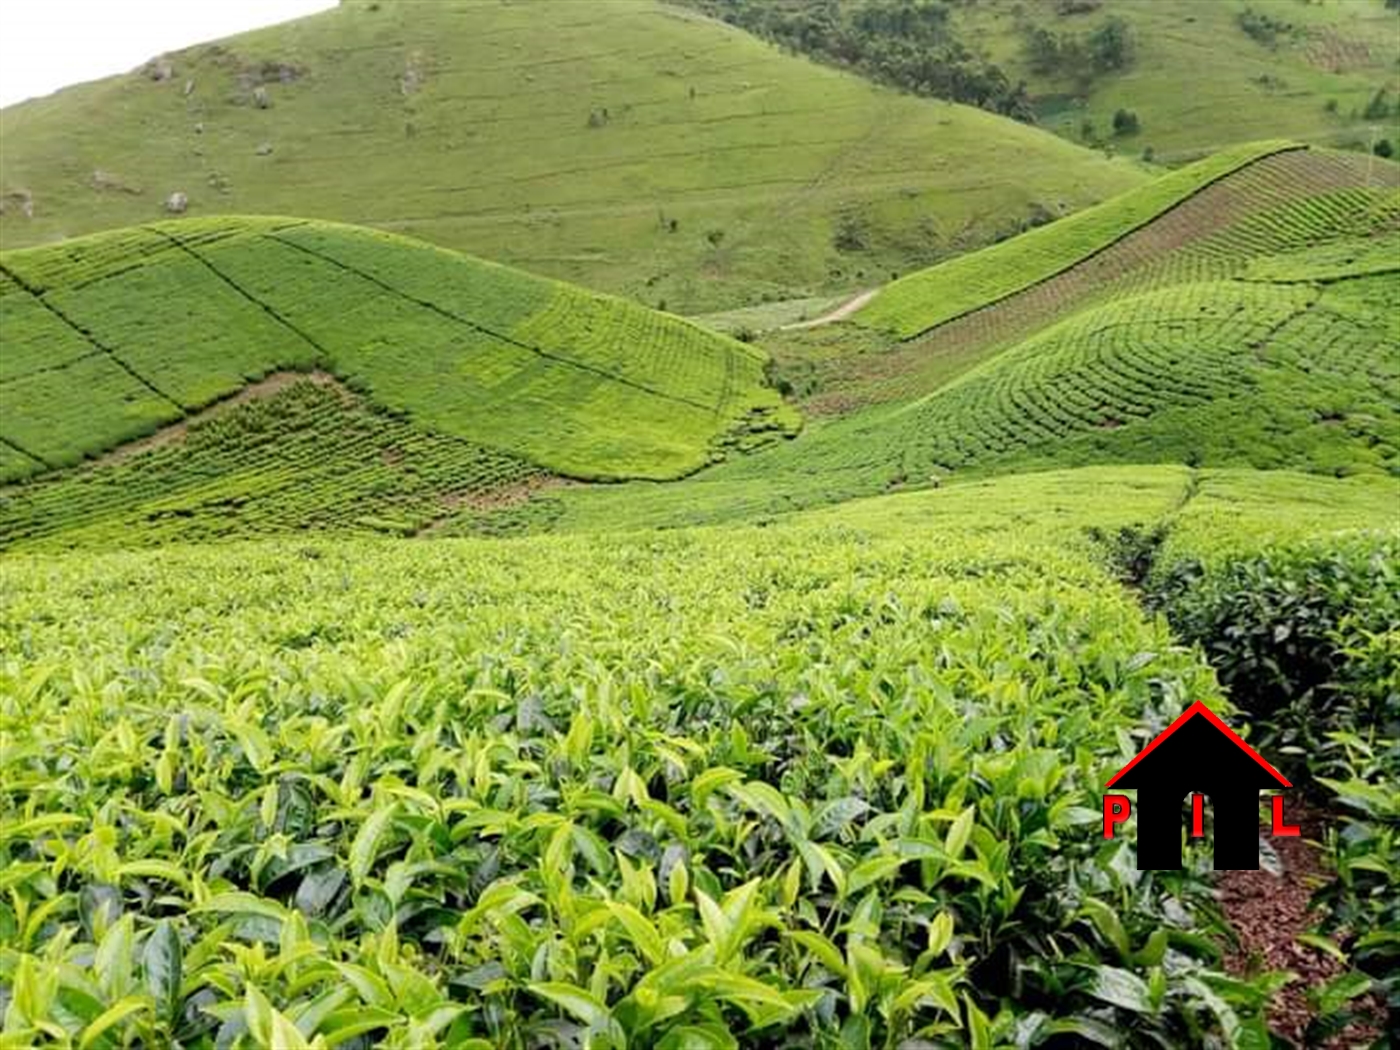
[
  {"x": 302, "y": 455},
  {"x": 921, "y": 301},
  {"x": 1277, "y": 202},
  {"x": 669, "y": 790},
  {"x": 1264, "y": 339},
  {"x": 572, "y": 381}
]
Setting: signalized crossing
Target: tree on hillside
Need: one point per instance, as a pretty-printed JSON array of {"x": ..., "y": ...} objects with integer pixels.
[{"x": 1111, "y": 45}]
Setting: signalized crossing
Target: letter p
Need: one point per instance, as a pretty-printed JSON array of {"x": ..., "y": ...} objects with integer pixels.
[{"x": 1116, "y": 809}]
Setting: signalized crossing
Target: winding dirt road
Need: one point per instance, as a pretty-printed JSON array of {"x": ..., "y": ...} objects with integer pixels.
[{"x": 842, "y": 312}]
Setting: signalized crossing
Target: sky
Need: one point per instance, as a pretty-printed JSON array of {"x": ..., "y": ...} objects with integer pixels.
[{"x": 49, "y": 44}]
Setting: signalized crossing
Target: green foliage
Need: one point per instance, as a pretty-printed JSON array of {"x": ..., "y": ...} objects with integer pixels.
[
  {"x": 1361, "y": 903},
  {"x": 309, "y": 457},
  {"x": 1304, "y": 638},
  {"x": 656, "y": 790},
  {"x": 909, "y": 45},
  {"x": 1110, "y": 48},
  {"x": 176, "y": 315},
  {"x": 1263, "y": 27},
  {"x": 1125, "y": 122},
  {"x": 1304, "y": 632},
  {"x": 1195, "y": 78},
  {"x": 467, "y": 125},
  {"x": 930, "y": 297}
]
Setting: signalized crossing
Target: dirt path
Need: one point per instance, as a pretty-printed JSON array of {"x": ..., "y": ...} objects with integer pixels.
[
  {"x": 842, "y": 312},
  {"x": 1268, "y": 913}
]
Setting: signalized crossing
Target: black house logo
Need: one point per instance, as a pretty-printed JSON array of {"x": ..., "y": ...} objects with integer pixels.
[{"x": 1201, "y": 755}]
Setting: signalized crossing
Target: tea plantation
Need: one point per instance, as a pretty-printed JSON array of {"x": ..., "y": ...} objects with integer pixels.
[
  {"x": 400, "y": 649},
  {"x": 672, "y": 791},
  {"x": 636, "y": 148},
  {"x": 571, "y": 380}
]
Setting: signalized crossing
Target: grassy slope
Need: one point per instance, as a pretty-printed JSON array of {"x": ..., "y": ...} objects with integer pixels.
[
  {"x": 469, "y": 125},
  {"x": 1199, "y": 82},
  {"x": 110, "y": 336}
]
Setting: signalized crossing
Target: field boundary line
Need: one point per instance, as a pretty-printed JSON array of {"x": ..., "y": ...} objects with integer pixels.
[
  {"x": 1122, "y": 235},
  {"x": 50, "y": 368},
  {"x": 90, "y": 338},
  {"x": 12, "y": 443},
  {"x": 478, "y": 327},
  {"x": 226, "y": 279}
]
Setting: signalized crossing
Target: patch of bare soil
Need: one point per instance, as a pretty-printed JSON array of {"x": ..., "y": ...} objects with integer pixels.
[
  {"x": 1268, "y": 912},
  {"x": 1327, "y": 49},
  {"x": 265, "y": 387},
  {"x": 496, "y": 499}
]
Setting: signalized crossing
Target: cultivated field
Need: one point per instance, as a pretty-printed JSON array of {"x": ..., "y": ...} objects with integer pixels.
[
  {"x": 668, "y": 791},
  {"x": 571, "y": 380},
  {"x": 400, "y": 649}
]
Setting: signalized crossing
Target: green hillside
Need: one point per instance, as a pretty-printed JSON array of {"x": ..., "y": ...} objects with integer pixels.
[
  {"x": 1168, "y": 80},
  {"x": 633, "y": 147},
  {"x": 109, "y": 337},
  {"x": 1205, "y": 75},
  {"x": 1252, "y": 325},
  {"x": 918, "y": 302},
  {"x": 403, "y": 649}
]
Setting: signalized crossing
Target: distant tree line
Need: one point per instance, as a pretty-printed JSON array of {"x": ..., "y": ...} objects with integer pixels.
[
  {"x": 908, "y": 44},
  {"x": 1108, "y": 49}
]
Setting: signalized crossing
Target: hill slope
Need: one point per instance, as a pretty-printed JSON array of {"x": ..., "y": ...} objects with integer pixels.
[
  {"x": 1204, "y": 75},
  {"x": 635, "y": 147},
  {"x": 108, "y": 337},
  {"x": 1251, "y": 325}
]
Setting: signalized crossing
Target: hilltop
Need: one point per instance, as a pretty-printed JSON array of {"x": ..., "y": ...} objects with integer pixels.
[
  {"x": 110, "y": 337},
  {"x": 636, "y": 148}
]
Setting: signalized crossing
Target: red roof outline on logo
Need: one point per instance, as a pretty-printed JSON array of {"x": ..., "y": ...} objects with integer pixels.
[{"x": 1199, "y": 708}]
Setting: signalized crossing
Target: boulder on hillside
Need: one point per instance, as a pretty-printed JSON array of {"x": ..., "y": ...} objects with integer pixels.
[
  {"x": 177, "y": 203},
  {"x": 21, "y": 201},
  {"x": 159, "y": 69},
  {"x": 264, "y": 149},
  {"x": 105, "y": 181}
]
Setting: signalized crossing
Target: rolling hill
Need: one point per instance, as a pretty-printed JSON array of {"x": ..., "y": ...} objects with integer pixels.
[
  {"x": 110, "y": 337},
  {"x": 1237, "y": 313},
  {"x": 1250, "y": 323},
  {"x": 636, "y": 148},
  {"x": 785, "y": 737}
]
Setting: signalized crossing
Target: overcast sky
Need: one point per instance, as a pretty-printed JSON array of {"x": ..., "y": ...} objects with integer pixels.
[{"x": 49, "y": 44}]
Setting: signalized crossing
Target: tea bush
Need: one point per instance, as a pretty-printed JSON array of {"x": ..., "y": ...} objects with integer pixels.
[{"x": 681, "y": 790}]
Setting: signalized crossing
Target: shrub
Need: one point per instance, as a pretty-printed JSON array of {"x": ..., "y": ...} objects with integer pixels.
[
  {"x": 1261, "y": 27},
  {"x": 1303, "y": 637},
  {"x": 1125, "y": 122}
]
